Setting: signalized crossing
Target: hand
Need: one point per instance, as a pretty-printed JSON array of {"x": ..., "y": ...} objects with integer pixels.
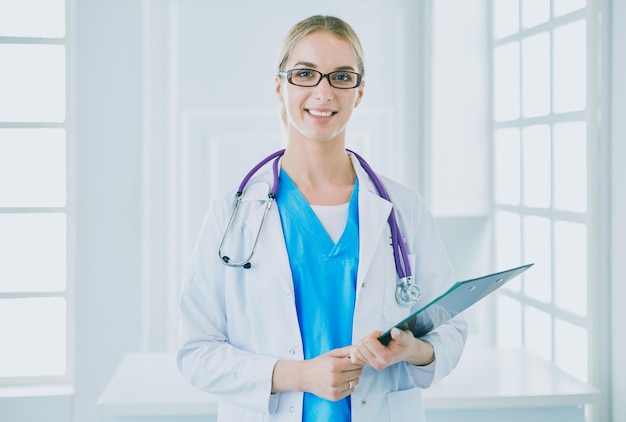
[
  {"x": 333, "y": 375},
  {"x": 402, "y": 347}
]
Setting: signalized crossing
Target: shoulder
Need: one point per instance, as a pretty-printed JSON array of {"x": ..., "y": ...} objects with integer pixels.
[
  {"x": 256, "y": 189},
  {"x": 403, "y": 196}
]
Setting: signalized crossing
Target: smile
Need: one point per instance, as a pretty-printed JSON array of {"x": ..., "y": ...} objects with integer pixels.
[{"x": 321, "y": 113}]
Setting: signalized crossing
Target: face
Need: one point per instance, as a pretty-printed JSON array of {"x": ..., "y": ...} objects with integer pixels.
[{"x": 319, "y": 113}]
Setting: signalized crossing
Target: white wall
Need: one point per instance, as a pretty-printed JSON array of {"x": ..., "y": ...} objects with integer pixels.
[
  {"x": 458, "y": 139},
  {"x": 618, "y": 195},
  {"x": 108, "y": 295}
]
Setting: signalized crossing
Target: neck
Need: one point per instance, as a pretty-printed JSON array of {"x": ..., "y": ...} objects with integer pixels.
[{"x": 323, "y": 173}]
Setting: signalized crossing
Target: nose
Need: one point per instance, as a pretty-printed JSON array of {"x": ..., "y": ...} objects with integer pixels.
[{"x": 324, "y": 91}]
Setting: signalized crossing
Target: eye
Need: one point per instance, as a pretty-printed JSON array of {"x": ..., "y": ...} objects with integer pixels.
[
  {"x": 343, "y": 76},
  {"x": 303, "y": 74}
]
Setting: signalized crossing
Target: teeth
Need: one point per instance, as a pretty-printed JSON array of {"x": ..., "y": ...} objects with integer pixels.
[{"x": 321, "y": 113}]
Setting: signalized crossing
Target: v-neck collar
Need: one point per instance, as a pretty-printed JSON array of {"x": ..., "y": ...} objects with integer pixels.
[{"x": 292, "y": 202}]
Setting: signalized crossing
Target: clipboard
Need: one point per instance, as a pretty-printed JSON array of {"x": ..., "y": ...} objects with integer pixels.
[{"x": 459, "y": 297}]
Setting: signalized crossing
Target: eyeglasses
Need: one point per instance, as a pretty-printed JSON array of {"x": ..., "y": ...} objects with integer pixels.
[{"x": 340, "y": 79}]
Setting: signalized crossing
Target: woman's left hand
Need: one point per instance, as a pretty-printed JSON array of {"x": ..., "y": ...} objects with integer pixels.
[{"x": 402, "y": 347}]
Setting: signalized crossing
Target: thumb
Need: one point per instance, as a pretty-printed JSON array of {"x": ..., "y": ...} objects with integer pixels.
[{"x": 397, "y": 334}]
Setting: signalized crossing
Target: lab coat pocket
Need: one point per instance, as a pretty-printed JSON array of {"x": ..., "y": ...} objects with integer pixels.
[
  {"x": 393, "y": 312},
  {"x": 406, "y": 405}
]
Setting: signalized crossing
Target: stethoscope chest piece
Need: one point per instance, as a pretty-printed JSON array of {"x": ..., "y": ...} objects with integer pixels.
[{"x": 407, "y": 292}]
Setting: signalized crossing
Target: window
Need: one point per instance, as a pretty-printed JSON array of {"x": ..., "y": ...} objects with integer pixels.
[
  {"x": 35, "y": 215},
  {"x": 543, "y": 126}
]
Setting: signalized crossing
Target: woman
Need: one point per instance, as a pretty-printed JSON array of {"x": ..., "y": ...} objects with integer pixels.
[{"x": 294, "y": 335}]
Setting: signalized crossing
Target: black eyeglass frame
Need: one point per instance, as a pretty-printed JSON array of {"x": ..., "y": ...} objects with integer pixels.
[{"x": 288, "y": 73}]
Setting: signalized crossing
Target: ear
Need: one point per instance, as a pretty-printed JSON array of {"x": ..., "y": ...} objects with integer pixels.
[
  {"x": 359, "y": 96},
  {"x": 278, "y": 89}
]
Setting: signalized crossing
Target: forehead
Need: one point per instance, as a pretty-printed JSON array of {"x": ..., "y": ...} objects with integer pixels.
[{"x": 324, "y": 49}]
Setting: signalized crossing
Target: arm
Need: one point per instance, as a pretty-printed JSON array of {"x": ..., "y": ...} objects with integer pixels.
[
  {"x": 433, "y": 356},
  {"x": 207, "y": 357}
]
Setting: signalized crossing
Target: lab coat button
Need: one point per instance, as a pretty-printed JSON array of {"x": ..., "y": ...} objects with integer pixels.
[
  {"x": 292, "y": 351},
  {"x": 286, "y": 292},
  {"x": 291, "y": 409},
  {"x": 363, "y": 402},
  {"x": 363, "y": 285}
]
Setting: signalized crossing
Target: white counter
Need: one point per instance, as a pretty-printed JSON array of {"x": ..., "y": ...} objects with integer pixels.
[
  {"x": 149, "y": 384},
  {"x": 488, "y": 384},
  {"x": 507, "y": 378}
]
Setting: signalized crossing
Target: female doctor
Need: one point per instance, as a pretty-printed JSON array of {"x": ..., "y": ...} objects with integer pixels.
[{"x": 292, "y": 335}]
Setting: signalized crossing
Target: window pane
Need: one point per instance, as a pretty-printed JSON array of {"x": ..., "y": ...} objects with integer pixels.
[
  {"x": 506, "y": 82},
  {"x": 32, "y": 252},
  {"x": 505, "y": 17},
  {"x": 536, "y": 167},
  {"x": 570, "y": 265},
  {"x": 534, "y": 12},
  {"x": 508, "y": 241},
  {"x": 570, "y": 166},
  {"x": 32, "y": 167},
  {"x": 536, "y": 75},
  {"x": 508, "y": 322},
  {"x": 538, "y": 332},
  {"x": 32, "y": 18},
  {"x": 33, "y": 333},
  {"x": 507, "y": 166},
  {"x": 570, "y": 71},
  {"x": 537, "y": 249},
  {"x": 571, "y": 343},
  {"x": 32, "y": 83},
  {"x": 562, "y": 7}
]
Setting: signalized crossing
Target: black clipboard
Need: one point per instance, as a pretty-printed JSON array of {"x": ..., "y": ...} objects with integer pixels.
[{"x": 459, "y": 297}]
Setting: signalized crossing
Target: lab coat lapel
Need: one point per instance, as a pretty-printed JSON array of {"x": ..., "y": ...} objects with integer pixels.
[{"x": 373, "y": 214}]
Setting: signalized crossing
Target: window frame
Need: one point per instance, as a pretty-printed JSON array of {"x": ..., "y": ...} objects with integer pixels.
[
  {"x": 595, "y": 218},
  {"x": 69, "y": 210}
]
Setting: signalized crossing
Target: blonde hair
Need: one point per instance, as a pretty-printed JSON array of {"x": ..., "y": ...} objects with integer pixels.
[
  {"x": 335, "y": 26},
  {"x": 332, "y": 24}
]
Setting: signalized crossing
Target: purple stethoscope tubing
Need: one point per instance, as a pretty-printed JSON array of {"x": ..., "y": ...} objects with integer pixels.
[{"x": 407, "y": 293}]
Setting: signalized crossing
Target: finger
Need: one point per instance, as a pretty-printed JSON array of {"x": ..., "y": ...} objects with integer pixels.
[
  {"x": 342, "y": 352},
  {"x": 365, "y": 353},
  {"x": 372, "y": 348},
  {"x": 355, "y": 355},
  {"x": 352, "y": 384},
  {"x": 353, "y": 374}
]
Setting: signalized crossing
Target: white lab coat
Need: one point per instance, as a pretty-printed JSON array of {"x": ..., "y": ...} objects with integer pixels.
[{"x": 236, "y": 323}]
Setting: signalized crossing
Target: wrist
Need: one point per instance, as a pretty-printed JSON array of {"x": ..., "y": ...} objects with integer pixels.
[
  {"x": 288, "y": 376},
  {"x": 424, "y": 353}
]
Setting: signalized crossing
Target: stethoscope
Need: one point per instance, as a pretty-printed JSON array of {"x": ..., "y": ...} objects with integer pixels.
[{"x": 407, "y": 292}]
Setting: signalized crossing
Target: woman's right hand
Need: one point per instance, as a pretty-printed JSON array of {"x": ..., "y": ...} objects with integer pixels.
[{"x": 331, "y": 376}]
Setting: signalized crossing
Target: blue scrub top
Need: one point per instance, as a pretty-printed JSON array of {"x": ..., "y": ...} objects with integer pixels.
[{"x": 324, "y": 277}]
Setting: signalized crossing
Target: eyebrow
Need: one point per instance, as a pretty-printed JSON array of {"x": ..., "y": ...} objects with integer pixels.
[{"x": 313, "y": 66}]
